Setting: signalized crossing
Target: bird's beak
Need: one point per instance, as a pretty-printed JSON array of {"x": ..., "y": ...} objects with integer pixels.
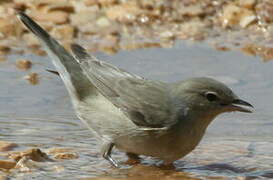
[{"x": 237, "y": 104}]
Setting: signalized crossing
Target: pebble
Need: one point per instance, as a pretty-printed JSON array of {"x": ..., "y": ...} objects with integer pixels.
[
  {"x": 23, "y": 64},
  {"x": 7, "y": 146},
  {"x": 32, "y": 78}
]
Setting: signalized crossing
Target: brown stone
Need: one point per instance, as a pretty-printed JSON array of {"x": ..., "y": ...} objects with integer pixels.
[
  {"x": 66, "y": 156},
  {"x": 7, "y": 28},
  {"x": 195, "y": 30},
  {"x": 4, "y": 49},
  {"x": 23, "y": 64},
  {"x": 107, "y": 2},
  {"x": 7, "y": 165},
  {"x": 32, "y": 78},
  {"x": 65, "y": 31},
  {"x": 33, "y": 154},
  {"x": 126, "y": 13},
  {"x": 265, "y": 11},
  {"x": 247, "y": 3},
  {"x": 7, "y": 146},
  {"x": 236, "y": 15},
  {"x": 42, "y": 3},
  {"x": 56, "y": 17},
  {"x": 83, "y": 18},
  {"x": 66, "y": 7},
  {"x": 90, "y": 2}
]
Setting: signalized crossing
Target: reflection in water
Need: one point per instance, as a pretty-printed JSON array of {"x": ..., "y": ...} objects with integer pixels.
[{"x": 236, "y": 145}]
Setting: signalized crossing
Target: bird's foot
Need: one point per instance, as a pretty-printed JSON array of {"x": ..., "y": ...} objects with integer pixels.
[{"x": 112, "y": 161}]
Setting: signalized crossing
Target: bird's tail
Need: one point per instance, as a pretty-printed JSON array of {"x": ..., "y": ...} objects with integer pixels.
[{"x": 72, "y": 75}]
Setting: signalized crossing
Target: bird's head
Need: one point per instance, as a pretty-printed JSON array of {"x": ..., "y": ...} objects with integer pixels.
[{"x": 211, "y": 97}]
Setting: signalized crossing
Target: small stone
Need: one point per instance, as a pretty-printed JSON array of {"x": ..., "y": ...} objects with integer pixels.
[
  {"x": 56, "y": 17},
  {"x": 64, "y": 32},
  {"x": 247, "y": 3},
  {"x": 247, "y": 19},
  {"x": 235, "y": 15},
  {"x": 107, "y": 2},
  {"x": 23, "y": 64},
  {"x": 7, "y": 28},
  {"x": 32, "y": 78},
  {"x": 7, "y": 146},
  {"x": 19, "y": 6},
  {"x": 65, "y": 7},
  {"x": 7, "y": 165},
  {"x": 41, "y": 3},
  {"x": 195, "y": 30},
  {"x": 230, "y": 15},
  {"x": 249, "y": 49},
  {"x": 258, "y": 50},
  {"x": 90, "y": 2},
  {"x": 103, "y": 22},
  {"x": 265, "y": 11},
  {"x": 125, "y": 13},
  {"x": 33, "y": 154},
  {"x": 83, "y": 18},
  {"x": 66, "y": 156},
  {"x": 221, "y": 47},
  {"x": 4, "y": 49}
]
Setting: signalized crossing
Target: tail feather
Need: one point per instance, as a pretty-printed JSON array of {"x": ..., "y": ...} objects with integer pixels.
[{"x": 70, "y": 71}]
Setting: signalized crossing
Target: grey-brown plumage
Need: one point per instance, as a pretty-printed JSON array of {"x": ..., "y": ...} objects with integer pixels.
[{"x": 137, "y": 115}]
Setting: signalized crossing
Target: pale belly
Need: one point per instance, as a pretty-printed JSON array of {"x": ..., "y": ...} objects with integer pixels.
[{"x": 168, "y": 146}]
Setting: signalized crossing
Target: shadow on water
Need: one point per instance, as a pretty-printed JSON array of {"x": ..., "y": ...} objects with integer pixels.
[{"x": 236, "y": 145}]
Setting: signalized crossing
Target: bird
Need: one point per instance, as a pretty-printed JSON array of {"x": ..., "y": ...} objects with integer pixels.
[{"x": 131, "y": 113}]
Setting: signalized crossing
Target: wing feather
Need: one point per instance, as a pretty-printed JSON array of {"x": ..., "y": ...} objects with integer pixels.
[{"x": 143, "y": 101}]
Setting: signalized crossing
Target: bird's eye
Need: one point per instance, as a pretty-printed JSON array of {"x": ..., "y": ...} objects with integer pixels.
[{"x": 211, "y": 96}]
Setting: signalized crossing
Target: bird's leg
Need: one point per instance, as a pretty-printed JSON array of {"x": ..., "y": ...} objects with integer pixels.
[
  {"x": 132, "y": 158},
  {"x": 106, "y": 153}
]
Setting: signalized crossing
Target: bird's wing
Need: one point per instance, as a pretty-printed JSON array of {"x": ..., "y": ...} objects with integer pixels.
[{"x": 143, "y": 101}]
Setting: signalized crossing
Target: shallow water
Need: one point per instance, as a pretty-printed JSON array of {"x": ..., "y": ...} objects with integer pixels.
[{"x": 236, "y": 144}]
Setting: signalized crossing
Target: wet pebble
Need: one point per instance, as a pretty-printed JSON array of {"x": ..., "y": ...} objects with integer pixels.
[
  {"x": 32, "y": 78},
  {"x": 66, "y": 156},
  {"x": 4, "y": 49},
  {"x": 23, "y": 64},
  {"x": 7, "y": 146},
  {"x": 33, "y": 154},
  {"x": 7, "y": 165},
  {"x": 56, "y": 17}
]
